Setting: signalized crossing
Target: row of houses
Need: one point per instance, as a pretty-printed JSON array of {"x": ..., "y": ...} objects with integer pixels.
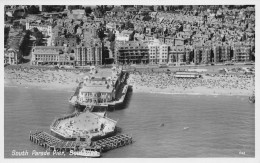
[
  {"x": 153, "y": 52},
  {"x": 156, "y": 52},
  {"x": 12, "y": 51},
  {"x": 166, "y": 38}
]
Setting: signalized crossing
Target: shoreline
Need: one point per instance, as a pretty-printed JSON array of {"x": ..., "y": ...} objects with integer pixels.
[
  {"x": 190, "y": 92},
  {"x": 68, "y": 88},
  {"x": 68, "y": 81}
]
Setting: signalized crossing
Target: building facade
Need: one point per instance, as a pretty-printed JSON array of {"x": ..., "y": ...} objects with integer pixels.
[
  {"x": 11, "y": 57},
  {"x": 99, "y": 87},
  {"x": 88, "y": 55},
  {"x": 177, "y": 54},
  {"x": 51, "y": 55},
  {"x": 61, "y": 41},
  {"x": 45, "y": 29},
  {"x": 158, "y": 53},
  {"x": 132, "y": 52},
  {"x": 222, "y": 53},
  {"x": 202, "y": 54},
  {"x": 242, "y": 53}
]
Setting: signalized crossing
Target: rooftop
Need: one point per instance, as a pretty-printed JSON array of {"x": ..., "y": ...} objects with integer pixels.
[
  {"x": 117, "y": 9},
  {"x": 78, "y": 12},
  {"x": 92, "y": 87},
  {"x": 48, "y": 47},
  {"x": 131, "y": 9},
  {"x": 145, "y": 9}
]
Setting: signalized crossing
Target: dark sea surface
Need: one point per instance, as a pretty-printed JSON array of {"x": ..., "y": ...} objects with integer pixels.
[{"x": 162, "y": 125}]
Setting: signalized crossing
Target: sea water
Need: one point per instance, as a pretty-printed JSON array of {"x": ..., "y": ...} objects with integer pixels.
[{"x": 162, "y": 125}]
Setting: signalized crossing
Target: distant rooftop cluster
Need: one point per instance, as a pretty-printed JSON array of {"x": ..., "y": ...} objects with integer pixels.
[{"x": 133, "y": 34}]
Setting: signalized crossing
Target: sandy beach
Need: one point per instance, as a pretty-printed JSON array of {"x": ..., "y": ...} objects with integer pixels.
[
  {"x": 44, "y": 79},
  {"x": 206, "y": 86},
  {"x": 141, "y": 82}
]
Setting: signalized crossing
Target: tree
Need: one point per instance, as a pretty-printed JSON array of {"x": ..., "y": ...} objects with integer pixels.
[
  {"x": 128, "y": 25},
  {"x": 156, "y": 35},
  {"x": 50, "y": 8},
  {"x": 6, "y": 31},
  {"x": 33, "y": 10},
  {"x": 35, "y": 30},
  {"x": 111, "y": 36},
  {"x": 144, "y": 13},
  {"x": 165, "y": 8},
  {"x": 88, "y": 10},
  {"x": 128, "y": 17},
  {"x": 180, "y": 28},
  {"x": 101, "y": 34},
  {"x": 76, "y": 27},
  {"x": 166, "y": 31},
  {"x": 224, "y": 38},
  {"x": 19, "y": 14},
  {"x": 122, "y": 26},
  {"x": 112, "y": 45},
  {"x": 131, "y": 36},
  {"x": 147, "y": 18},
  {"x": 98, "y": 12},
  {"x": 6, "y": 17},
  {"x": 38, "y": 35},
  {"x": 25, "y": 43},
  {"x": 105, "y": 8},
  {"x": 78, "y": 40},
  {"x": 151, "y": 8},
  {"x": 102, "y": 9}
]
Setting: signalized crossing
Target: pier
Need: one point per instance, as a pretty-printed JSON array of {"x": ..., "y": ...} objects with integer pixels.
[
  {"x": 52, "y": 143},
  {"x": 111, "y": 89}
]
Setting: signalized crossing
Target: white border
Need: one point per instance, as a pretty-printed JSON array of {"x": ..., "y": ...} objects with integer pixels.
[{"x": 135, "y": 2}]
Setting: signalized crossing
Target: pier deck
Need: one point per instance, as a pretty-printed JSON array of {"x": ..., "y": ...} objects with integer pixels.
[{"x": 52, "y": 143}]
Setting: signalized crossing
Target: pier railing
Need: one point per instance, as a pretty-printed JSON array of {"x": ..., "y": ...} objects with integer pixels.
[
  {"x": 57, "y": 120},
  {"x": 76, "y": 91}
]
